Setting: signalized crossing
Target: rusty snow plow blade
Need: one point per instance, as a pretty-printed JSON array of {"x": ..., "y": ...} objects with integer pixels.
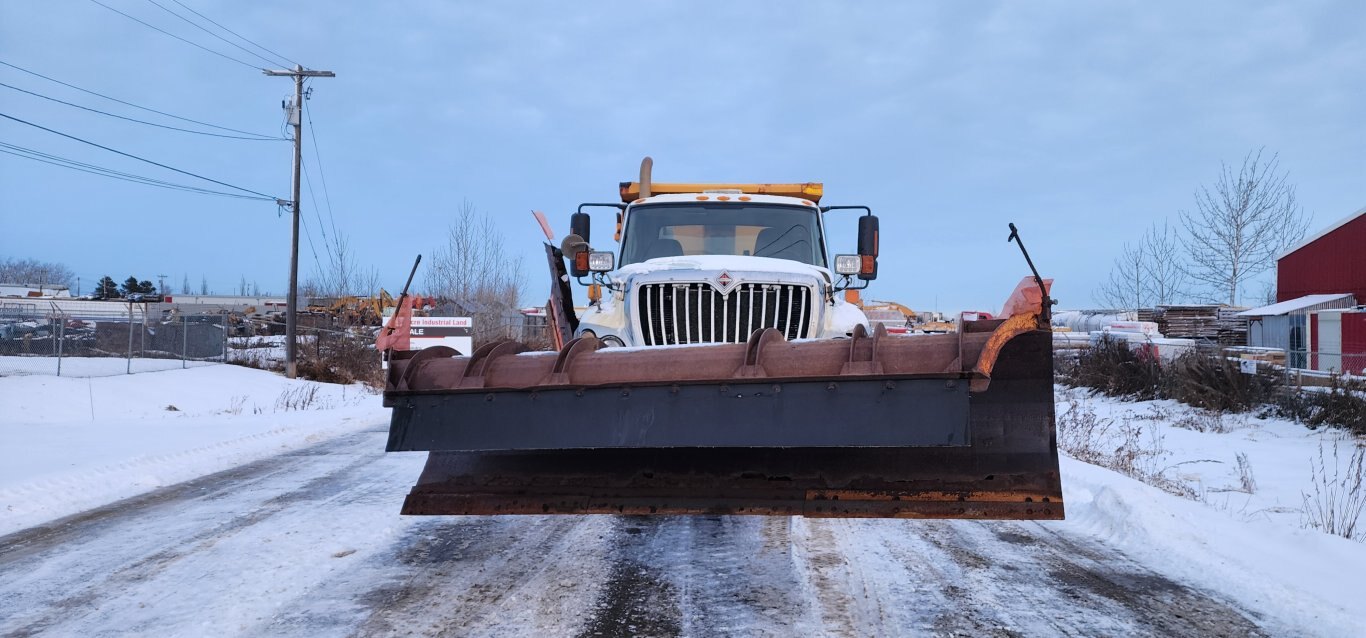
[{"x": 931, "y": 426}]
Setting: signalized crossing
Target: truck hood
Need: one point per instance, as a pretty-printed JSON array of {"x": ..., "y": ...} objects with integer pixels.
[{"x": 723, "y": 262}]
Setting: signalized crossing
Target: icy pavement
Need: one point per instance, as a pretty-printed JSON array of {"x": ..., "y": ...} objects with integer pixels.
[{"x": 310, "y": 544}]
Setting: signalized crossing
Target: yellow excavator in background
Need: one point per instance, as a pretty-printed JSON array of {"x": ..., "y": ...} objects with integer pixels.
[
  {"x": 353, "y": 310},
  {"x": 924, "y": 322}
]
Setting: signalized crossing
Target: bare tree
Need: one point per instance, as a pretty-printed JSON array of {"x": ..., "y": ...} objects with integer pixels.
[
  {"x": 367, "y": 282},
  {"x": 1238, "y": 228},
  {"x": 343, "y": 275},
  {"x": 338, "y": 277},
  {"x": 474, "y": 270},
  {"x": 1146, "y": 274},
  {"x": 1164, "y": 265},
  {"x": 1125, "y": 289},
  {"x": 1268, "y": 294},
  {"x": 32, "y": 271}
]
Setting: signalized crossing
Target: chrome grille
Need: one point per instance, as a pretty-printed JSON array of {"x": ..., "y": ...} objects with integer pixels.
[{"x": 683, "y": 313}]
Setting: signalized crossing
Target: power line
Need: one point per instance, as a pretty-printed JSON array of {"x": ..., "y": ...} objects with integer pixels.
[
  {"x": 322, "y": 228},
  {"x": 136, "y": 106},
  {"x": 56, "y": 160},
  {"x": 309, "y": 237},
  {"x": 313, "y": 136},
  {"x": 130, "y": 119},
  {"x": 47, "y": 158},
  {"x": 126, "y": 179},
  {"x": 201, "y": 28},
  {"x": 244, "y": 39},
  {"x": 198, "y": 46},
  {"x": 140, "y": 159}
]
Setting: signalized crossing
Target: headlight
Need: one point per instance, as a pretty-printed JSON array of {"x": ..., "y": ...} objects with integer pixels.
[
  {"x": 612, "y": 341},
  {"x": 847, "y": 264},
  {"x": 601, "y": 261}
]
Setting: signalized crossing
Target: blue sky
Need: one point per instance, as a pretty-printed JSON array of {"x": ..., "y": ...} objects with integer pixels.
[{"x": 1081, "y": 122}]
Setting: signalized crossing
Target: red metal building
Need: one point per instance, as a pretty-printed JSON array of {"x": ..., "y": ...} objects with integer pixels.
[
  {"x": 1337, "y": 341},
  {"x": 1333, "y": 261}
]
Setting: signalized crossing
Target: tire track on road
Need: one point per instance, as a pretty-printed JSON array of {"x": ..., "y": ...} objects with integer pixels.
[
  {"x": 702, "y": 576},
  {"x": 1007, "y": 579},
  {"x": 470, "y": 576}
]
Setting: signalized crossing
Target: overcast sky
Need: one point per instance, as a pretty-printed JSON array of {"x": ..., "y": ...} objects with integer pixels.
[{"x": 1083, "y": 123}]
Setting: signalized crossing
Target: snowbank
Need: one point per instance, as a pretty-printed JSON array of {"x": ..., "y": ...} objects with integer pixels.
[
  {"x": 70, "y": 444},
  {"x": 1250, "y": 546}
]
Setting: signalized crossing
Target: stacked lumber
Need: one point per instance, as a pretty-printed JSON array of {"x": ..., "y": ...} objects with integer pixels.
[
  {"x": 1232, "y": 328},
  {"x": 1209, "y": 322}
]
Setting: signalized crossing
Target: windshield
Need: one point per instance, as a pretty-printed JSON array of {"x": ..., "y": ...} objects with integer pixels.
[{"x": 672, "y": 230}]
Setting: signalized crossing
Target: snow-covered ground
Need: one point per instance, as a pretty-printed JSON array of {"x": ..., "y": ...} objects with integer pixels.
[
  {"x": 70, "y": 443},
  {"x": 91, "y": 366},
  {"x": 264, "y": 351},
  {"x": 1249, "y": 544},
  {"x": 310, "y": 542}
]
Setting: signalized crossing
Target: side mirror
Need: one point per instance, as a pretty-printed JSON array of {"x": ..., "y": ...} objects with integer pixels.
[
  {"x": 576, "y": 250},
  {"x": 867, "y": 247},
  {"x": 579, "y": 224}
]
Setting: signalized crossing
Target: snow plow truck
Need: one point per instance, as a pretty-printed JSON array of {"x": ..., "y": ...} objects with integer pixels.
[{"x": 718, "y": 369}]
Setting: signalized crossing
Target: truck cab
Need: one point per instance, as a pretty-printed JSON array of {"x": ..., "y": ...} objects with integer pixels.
[{"x": 713, "y": 263}]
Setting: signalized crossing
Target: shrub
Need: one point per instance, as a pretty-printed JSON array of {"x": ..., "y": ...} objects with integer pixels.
[
  {"x": 1214, "y": 382},
  {"x": 1210, "y": 381},
  {"x": 1343, "y": 405},
  {"x": 1125, "y": 447},
  {"x": 341, "y": 358},
  {"x": 1338, "y": 500},
  {"x": 1113, "y": 368}
]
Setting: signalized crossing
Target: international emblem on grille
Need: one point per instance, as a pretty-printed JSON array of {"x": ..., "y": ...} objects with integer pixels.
[{"x": 723, "y": 282}]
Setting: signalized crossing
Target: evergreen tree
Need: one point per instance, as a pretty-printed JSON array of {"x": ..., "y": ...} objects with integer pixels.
[
  {"x": 130, "y": 286},
  {"x": 106, "y": 288},
  {"x": 146, "y": 286}
]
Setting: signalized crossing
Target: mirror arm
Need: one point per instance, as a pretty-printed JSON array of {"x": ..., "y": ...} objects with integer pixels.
[
  {"x": 865, "y": 209},
  {"x": 602, "y": 279},
  {"x": 599, "y": 205}
]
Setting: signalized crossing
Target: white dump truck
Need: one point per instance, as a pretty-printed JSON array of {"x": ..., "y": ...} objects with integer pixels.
[{"x": 713, "y": 263}]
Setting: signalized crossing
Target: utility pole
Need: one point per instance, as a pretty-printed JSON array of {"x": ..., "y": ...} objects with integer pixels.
[
  {"x": 292, "y": 299},
  {"x": 161, "y": 285}
]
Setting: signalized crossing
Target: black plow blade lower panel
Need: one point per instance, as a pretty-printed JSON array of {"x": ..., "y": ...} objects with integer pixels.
[{"x": 835, "y": 482}]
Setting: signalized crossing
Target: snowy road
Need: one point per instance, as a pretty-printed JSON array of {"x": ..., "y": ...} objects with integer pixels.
[{"x": 310, "y": 543}]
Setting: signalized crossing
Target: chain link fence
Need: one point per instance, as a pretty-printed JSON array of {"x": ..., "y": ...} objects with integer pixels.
[
  {"x": 40, "y": 338},
  {"x": 1322, "y": 364},
  {"x": 1302, "y": 367}
]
